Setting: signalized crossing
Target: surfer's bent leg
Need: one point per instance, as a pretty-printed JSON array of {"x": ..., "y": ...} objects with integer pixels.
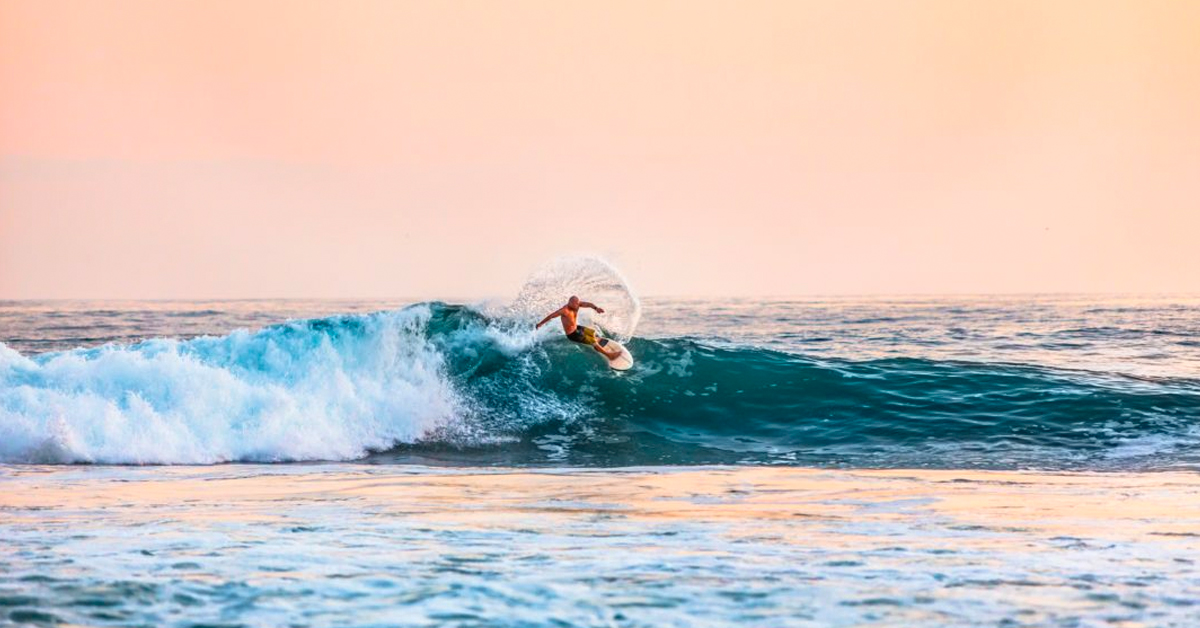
[{"x": 611, "y": 355}]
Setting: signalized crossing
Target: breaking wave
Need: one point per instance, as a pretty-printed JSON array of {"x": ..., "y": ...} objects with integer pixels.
[{"x": 445, "y": 383}]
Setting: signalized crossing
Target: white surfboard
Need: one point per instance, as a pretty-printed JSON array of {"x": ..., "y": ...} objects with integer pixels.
[{"x": 623, "y": 362}]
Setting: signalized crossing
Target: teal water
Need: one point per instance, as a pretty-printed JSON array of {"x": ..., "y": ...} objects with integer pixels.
[
  {"x": 966, "y": 461},
  {"x": 1037, "y": 383},
  {"x": 342, "y": 544}
]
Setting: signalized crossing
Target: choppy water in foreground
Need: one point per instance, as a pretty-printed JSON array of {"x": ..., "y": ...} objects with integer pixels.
[
  {"x": 358, "y": 545},
  {"x": 1017, "y": 461}
]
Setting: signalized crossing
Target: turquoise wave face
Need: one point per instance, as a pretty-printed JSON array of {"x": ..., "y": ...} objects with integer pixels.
[
  {"x": 689, "y": 402},
  {"x": 438, "y": 383}
]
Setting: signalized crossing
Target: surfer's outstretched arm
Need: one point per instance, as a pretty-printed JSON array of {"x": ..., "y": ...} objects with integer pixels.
[
  {"x": 549, "y": 317},
  {"x": 592, "y": 305}
]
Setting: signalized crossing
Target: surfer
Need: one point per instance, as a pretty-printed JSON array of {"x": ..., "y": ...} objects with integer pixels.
[{"x": 576, "y": 332}]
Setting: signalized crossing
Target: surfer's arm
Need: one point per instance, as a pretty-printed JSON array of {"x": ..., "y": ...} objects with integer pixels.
[
  {"x": 549, "y": 317},
  {"x": 593, "y": 306}
]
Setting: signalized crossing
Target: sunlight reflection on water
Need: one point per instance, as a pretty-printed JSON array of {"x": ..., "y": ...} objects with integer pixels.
[{"x": 321, "y": 545}]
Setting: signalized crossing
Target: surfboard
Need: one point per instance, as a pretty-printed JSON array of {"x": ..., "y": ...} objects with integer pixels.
[{"x": 623, "y": 362}]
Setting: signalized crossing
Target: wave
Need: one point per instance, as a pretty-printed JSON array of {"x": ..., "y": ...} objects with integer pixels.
[{"x": 439, "y": 383}]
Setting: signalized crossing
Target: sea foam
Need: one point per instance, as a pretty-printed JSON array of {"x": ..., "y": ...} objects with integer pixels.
[{"x": 328, "y": 389}]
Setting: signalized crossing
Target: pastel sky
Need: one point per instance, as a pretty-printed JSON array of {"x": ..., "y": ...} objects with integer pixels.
[{"x": 216, "y": 148}]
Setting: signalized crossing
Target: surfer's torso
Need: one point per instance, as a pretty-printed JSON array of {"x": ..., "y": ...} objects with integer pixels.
[
  {"x": 568, "y": 320},
  {"x": 574, "y": 331}
]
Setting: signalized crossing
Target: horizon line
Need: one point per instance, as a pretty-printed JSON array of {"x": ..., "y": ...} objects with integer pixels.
[{"x": 780, "y": 296}]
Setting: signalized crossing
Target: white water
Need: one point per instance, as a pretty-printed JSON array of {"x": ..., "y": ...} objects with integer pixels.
[{"x": 283, "y": 393}]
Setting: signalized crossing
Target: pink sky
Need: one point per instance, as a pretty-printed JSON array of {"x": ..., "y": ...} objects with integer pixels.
[{"x": 344, "y": 149}]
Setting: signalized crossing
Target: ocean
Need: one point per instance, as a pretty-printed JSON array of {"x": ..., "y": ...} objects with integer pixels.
[
  {"x": 882, "y": 461},
  {"x": 1054, "y": 383}
]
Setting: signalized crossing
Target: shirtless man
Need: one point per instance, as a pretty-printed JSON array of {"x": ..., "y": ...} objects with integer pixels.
[{"x": 578, "y": 333}]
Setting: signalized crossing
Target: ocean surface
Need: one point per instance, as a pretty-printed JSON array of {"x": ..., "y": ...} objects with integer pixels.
[
  {"x": 900, "y": 461},
  {"x": 1043, "y": 382}
]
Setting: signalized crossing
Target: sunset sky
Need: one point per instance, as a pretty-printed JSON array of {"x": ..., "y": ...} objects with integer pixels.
[{"x": 208, "y": 148}]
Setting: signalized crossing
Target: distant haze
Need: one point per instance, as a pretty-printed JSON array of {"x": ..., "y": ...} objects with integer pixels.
[{"x": 338, "y": 149}]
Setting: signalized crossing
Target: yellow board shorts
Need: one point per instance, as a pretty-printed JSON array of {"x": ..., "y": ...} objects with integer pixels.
[{"x": 583, "y": 335}]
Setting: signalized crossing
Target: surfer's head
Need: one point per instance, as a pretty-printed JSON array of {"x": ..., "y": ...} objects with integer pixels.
[{"x": 573, "y": 302}]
